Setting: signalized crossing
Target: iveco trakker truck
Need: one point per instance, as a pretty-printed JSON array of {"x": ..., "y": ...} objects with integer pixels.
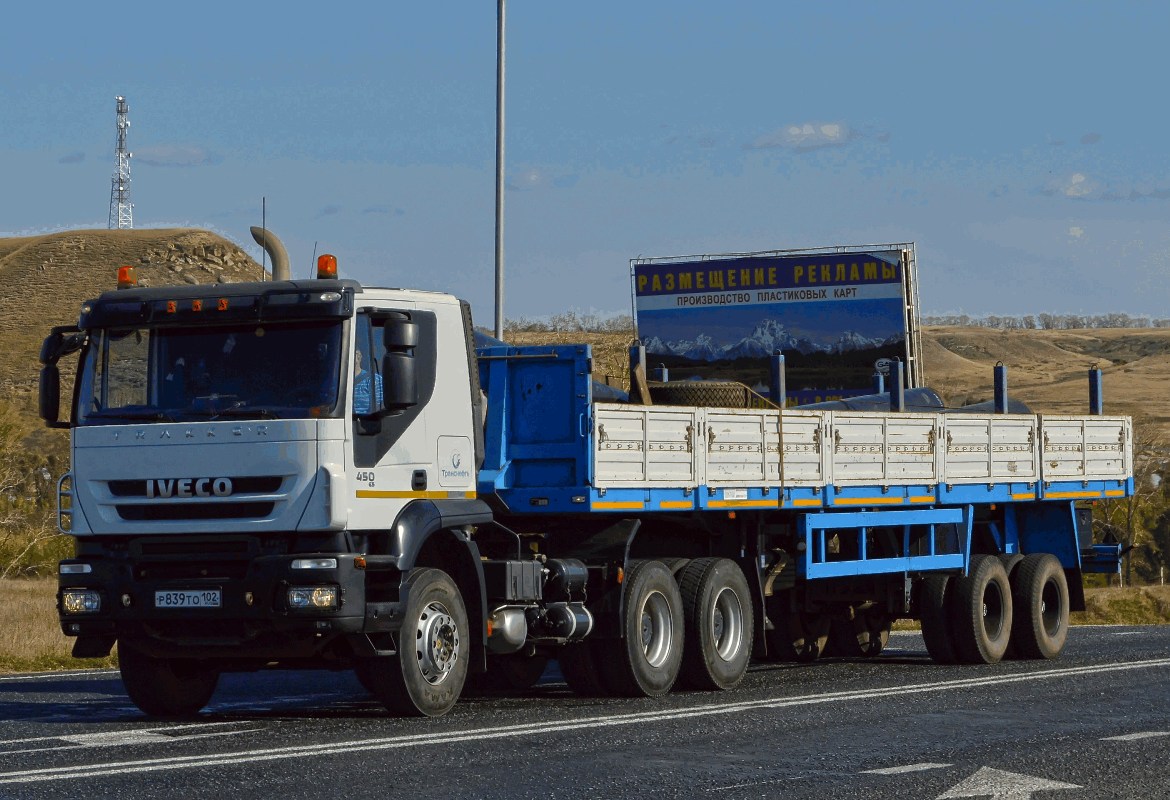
[{"x": 321, "y": 474}]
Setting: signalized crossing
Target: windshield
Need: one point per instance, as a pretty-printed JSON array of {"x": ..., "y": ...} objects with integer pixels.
[{"x": 272, "y": 371}]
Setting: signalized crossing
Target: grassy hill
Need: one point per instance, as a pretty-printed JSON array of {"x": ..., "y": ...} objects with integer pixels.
[{"x": 46, "y": 279}]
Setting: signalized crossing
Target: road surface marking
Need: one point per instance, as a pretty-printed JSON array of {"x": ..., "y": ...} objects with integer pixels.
[
  {"x": 907, "y": 768},
  {"x": 1133, "y": 737},
  {"x": 431, "y": 738},
  {"x": 40, "y": 676},
  {"x": 1008, "y": 785}
]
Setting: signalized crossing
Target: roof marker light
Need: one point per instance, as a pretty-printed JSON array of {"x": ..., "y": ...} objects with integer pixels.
[
  {"x": 326, "y": 266},
  {"x": 127, "y": 277}
]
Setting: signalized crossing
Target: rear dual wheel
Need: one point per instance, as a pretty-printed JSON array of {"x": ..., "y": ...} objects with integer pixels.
[
  {"x": 863, "y": 635},
  {"x": 1041, "y": 607},
  {"x": 717, "y": 609},
  {"x": 795, "y": 635},
  {"x": 967, "y": 619}
]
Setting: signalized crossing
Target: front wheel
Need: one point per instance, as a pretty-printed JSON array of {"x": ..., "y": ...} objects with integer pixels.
[
  {"x": 165, "y": 687},
  {"x": 426, "y": 676}
]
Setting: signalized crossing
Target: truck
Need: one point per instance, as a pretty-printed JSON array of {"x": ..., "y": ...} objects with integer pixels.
[{"x": 320, "y": 474}]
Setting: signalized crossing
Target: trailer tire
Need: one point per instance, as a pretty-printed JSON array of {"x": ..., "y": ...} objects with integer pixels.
[
  {"x": 426, "y": 676},
  {"x": 864, "y": 636},
  {"x": 578, "y": 664},
  {"x": 1041, "y": 606},
  {"x": 982, "y": 613},
  {"x": 1010, "y": 565},
  {"x": 934, "y": 593},
  {"x": 717, "y": 613},
  {"x": 645, "y": 661},
  {"x": 165, "y": 687},
  {"x": 795, "y": 635}
]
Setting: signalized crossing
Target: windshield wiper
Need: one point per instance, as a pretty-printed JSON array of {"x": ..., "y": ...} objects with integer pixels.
[
  {"x": 259, "y": 412},
  {"x": 154, "y": 415}
]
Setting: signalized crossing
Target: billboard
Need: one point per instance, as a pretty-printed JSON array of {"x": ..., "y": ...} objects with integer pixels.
[{"x": 832, "y": 313}]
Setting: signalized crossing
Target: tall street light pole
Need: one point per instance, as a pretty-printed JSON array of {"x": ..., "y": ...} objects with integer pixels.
[{"x": 500, "y": 15}]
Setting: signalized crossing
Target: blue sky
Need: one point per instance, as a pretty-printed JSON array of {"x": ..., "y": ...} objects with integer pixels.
[{"x": 1022, "y": 146}]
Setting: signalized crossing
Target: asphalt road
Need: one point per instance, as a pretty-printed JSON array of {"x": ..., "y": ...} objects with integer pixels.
[{"x": 1095, "y": 723}]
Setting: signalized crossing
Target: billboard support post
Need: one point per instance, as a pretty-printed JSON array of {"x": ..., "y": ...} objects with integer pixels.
[{"x": 778, "y": 390}]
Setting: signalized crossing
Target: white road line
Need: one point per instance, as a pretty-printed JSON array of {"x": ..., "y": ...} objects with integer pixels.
[
  {"x": 1133, "y": 737},
  {"x": 903, "y": 769},
  {"x": 164, "y": 731},
  {"x": 90, "y": 771},
  {"x": 40, "y": 676}
]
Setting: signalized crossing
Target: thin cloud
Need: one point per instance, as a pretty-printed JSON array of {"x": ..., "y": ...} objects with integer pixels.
[
  {"x": 1090, "y": 138},
  {"x": 1080, "y": 186},
  {"x": 527, "y": 179},
  {"x": 75, "y": 157},
  {"x": 397, "y": 212},
  {"x": 329, "y": 211},
  {"x": 806, "y": 137},
  {"x": 176, "y": 155}
]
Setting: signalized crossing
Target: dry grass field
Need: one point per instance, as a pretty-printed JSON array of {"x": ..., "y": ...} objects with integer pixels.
[{"x": 30, "y": 638}]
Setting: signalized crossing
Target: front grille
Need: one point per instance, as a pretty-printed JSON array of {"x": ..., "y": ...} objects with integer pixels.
[
  {"x": 194, "y": 511},
  {"x": 252, "y": 484},
  {"x": 185, "y": 570}
]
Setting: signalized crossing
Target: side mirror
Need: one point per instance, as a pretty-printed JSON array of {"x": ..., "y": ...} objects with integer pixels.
[
  {"x": 50, "y": 396},
  {"x": 399, "y": 382},
  {"x": 398, "y": 334}
]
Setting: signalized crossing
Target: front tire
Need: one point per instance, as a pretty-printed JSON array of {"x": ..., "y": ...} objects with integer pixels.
[
  {"x": 717, "y": 609},
  {"x": 165, "y": 687},
  {"x": 426, "y": 676},
  {"x": 645, "y": 662}
]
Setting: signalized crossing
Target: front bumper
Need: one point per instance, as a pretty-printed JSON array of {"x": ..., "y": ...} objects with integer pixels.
[{"x": 253, "y": 620}]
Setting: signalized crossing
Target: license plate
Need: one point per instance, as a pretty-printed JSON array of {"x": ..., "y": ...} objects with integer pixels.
[{"x": 187, "y": 598}]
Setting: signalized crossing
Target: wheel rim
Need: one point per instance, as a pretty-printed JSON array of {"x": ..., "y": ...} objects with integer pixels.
[
  {"x": 657, "y": 629},
  {"x": 437, "y": 643},
  {"x": 727, "y": 624},
  {"x": 993, "y": 610}
]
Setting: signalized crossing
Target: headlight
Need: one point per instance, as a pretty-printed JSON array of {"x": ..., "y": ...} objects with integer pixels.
[
  {"x": 314, "y": 563},
  {"x": 80, "y": 601},
  {"x": 322, "y": 597}
]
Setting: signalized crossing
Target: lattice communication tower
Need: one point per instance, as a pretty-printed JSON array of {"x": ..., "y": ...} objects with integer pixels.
[{"x": 121, "y": 209}]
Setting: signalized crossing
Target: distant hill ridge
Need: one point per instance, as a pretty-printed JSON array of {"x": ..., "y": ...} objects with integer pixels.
[{"x": 46, "y": 278}]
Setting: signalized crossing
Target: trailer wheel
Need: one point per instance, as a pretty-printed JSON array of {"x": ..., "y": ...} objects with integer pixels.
[
  {"x": 1010, "y": 564},
  {"x": 579, "y": 666},
  {"x": 426, "y": 676},
  {"x": 165, "y": 687},
  {"x": 795, "y": 635},
  {"x": 717, "y": 609},
  {"x": 864, "y": 636},
  {"x": 982, "y": 612},
  {"x": 1040, "y": 600},
  {"x": 645, "y": 661},
  {"x": 934, "y": 593}
]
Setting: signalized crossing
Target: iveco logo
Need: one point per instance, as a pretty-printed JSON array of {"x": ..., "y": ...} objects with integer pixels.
[{"x": 188, "y": 487}]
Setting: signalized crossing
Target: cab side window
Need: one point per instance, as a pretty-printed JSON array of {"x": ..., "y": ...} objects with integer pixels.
[{"x": 367, "y": 377}]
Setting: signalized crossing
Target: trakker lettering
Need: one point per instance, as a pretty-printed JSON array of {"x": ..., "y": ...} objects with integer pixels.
[{"x": 188, "y": 487}]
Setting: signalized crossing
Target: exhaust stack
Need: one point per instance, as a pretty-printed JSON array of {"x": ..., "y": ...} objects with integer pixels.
[{"x": 275, "y": 249}]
